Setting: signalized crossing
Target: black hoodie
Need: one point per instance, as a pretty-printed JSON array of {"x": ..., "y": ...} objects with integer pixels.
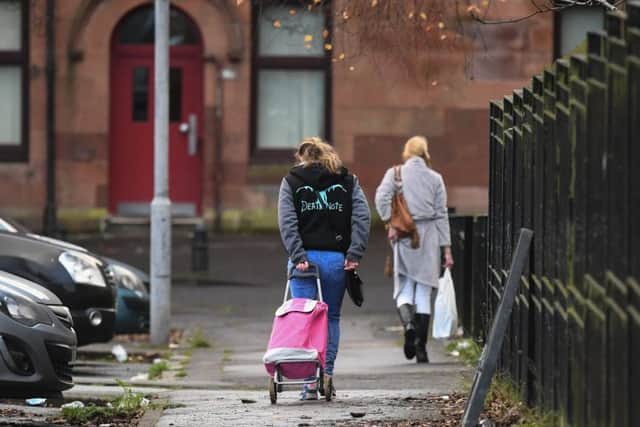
[{"x": 323, "y": 203}]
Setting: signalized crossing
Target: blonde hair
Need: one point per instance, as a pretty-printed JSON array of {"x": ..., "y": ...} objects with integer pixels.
[
  {"x": 315, "y": 151},
  {"x": 417, "y": 146}
]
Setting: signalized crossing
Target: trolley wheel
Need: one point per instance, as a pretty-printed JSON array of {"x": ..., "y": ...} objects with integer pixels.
[
  {"x": 328, "y": 389},
  {"x": 273, "y": 392}
]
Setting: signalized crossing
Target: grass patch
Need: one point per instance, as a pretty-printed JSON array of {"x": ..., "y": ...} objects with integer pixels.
[
  {"x": 226, "y": 355},
  {"x": 156, "y": 370},
  {"x": 467, "y": 350},
  {"x": 198, "y": 340},
  {"x": 181, "y": 373},
  {"x": 121, "y": 410},
  {"x": 504, "y": 406}
]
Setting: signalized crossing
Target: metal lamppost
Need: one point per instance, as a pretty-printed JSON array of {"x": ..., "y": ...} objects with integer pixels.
[{"x": 161, "y": 204}]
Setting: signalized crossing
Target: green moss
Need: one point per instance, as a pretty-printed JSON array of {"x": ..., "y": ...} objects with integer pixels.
[
  {"x": 156, "y": 370},
  {"x": 76, "y": 220},
  {"x": 505, "y": 395},
  {"x": 468, "y": 351},
  {"x": 198, "y": 340},
  {"x": 123, "y": 409}
]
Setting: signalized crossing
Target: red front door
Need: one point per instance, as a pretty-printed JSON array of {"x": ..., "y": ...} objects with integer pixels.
[{"x": 131, "y": 145}]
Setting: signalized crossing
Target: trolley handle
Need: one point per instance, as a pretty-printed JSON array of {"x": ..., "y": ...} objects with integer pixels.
[{"x": 312, "y": 272}]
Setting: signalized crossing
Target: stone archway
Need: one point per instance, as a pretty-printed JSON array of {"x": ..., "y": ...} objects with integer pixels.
[{"x": 82, "y": 17}]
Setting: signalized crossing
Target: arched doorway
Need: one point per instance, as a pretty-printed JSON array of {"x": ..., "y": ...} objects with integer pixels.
[{"x": 132, "y": 107}]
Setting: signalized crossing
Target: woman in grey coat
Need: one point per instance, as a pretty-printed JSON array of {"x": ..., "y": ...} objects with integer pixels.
[{"x": 416, "y": 271}]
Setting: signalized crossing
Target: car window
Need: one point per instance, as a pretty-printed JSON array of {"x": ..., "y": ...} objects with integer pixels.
[
  {"x": 11, "y": 226},
  {"x": 5, "y": 226}
]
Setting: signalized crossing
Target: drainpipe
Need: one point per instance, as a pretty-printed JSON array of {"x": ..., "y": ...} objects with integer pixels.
[
  {"x": 50, "y": 210},
  {"x": 218, "y": 111}
]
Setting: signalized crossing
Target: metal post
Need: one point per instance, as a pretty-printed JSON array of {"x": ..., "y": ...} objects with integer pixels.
[
  {"x": 489, "y": 358},
  {"x": 50, "y": 223},
  {"x": 161, "y": 205},
  {"x": 219, "y": 108}
]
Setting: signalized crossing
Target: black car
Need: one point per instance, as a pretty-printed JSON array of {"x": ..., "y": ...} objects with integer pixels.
[
  {"x": 37, "y": 340},
  {"x": 132, "y": 314},
  {"x": 80, "y": 279}
]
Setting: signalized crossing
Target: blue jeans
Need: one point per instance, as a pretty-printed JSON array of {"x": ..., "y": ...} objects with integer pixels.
[{"x": 333, "y": 284}]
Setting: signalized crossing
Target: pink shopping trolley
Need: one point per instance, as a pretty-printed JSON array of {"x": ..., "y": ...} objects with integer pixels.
[{"x": 298, "y": 344}]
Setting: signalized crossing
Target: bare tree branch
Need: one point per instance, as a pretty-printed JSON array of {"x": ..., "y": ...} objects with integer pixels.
[{"x": 553, "y": 7}]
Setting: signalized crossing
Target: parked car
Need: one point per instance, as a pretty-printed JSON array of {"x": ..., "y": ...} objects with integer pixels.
[
  {"x": 132, "y": 313},
  {"x": 37, "y": 339},
  {"x": 81, "y": 280}
]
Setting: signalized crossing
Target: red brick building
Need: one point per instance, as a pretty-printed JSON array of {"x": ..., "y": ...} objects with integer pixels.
[{"x": 245, "y": 85}]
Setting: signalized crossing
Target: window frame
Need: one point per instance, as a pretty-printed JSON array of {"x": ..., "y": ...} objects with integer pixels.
[
  {"x": 558, "y": 28},
  {"x": 20, "y": 58},
  {"x": 286, "y": 63}
]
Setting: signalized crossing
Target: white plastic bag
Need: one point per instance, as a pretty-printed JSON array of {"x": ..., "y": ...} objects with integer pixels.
[{"x": 445, "y": 316}]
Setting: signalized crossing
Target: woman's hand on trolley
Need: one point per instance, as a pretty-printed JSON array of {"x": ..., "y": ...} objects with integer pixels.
[{"x": 302, "y": 266}]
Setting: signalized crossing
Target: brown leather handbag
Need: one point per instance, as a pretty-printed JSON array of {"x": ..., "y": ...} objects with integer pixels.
[{"x": 401, "y": 219}]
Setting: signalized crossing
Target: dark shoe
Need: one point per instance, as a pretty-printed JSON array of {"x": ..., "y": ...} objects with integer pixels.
[
  {"x": 422, "y": 333},
  {"x": 421, "y": 354},
  {"x": 329, "y": 389},
  {"x": 409, "y": 343},
  {"x": 405, "y": 311}
]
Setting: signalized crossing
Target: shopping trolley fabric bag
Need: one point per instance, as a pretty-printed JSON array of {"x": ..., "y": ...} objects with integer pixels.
[{"x": 298, "y": 338}]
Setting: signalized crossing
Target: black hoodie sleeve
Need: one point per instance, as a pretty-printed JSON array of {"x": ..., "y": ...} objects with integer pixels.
[{"x": 288, "y": 225}]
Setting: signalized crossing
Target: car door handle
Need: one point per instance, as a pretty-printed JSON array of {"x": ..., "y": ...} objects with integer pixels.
[{"x": 191, "y": 129}]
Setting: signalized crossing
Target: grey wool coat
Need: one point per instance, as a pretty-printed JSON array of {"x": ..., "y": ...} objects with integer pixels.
[{"x": 426, "y": 198}]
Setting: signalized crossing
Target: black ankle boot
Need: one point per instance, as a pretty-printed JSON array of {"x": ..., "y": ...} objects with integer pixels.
[
  {"x": 422, "y": 333},
  {"x": 405, "y": 311}
]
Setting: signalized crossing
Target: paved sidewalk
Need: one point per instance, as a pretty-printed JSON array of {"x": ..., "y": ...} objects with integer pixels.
[
  {"x": 226, "y": 408},
  {"x": 235, "y": 312}
]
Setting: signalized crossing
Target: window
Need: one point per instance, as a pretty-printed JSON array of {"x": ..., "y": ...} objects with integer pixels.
[
  {"x": 13, "y": 80},
  {"x": 140, "y": 98},
  {"x": 291, "y": 77},
  {"x": 572, "y": 26},
  {"x": 175, "y": 94},
  {"x": 138, "y": 27}
]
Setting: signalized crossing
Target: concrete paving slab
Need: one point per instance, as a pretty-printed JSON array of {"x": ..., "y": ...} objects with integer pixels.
[
  {"x": 227, "y": 409},
  {"x": 105, "y": 391}
]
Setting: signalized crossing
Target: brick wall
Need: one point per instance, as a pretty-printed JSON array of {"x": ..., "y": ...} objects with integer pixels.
[{"x": 374, "y": 110}]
